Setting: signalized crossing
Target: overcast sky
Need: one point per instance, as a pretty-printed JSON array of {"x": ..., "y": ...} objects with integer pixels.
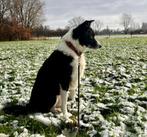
[{"x": 59, "y": 12}]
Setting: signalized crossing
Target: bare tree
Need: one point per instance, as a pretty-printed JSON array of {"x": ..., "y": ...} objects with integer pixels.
[
  {"x": 26, "y": 12},
  {"x": 18, "y": 17},
  {"x": 97, "y": 25},
  {"x": 134, "y": 26},
  {"x": 126, "y": 20},
  {"x": 144, "y": 27},
  {"x": 4, "y": 7},
  {"x": 75, "y": 21}
]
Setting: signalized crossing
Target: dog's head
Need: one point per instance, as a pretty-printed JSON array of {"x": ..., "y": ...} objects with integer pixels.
[{"x": 85, "y": 35}]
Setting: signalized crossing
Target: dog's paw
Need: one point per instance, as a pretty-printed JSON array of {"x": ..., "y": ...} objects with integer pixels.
[
  {"x": 66, "y": 117},
  {"x": 68, "y": 120},
  {"x": 71, "y": 96},
  {"x": 56, "y": 110},
  {"x": 68, "y": 114}
]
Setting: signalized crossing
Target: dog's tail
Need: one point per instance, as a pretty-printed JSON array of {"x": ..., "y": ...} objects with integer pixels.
[{"x": 14, "y": 109}]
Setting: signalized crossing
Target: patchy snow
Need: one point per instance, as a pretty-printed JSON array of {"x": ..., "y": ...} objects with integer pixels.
[
  {"x": 3, "y": 135},
  {"x": 113, "y": 92},
  {"x": 39, "y": 117},
  {"x": 61, "y": 135},
  {"x": 26, "y": 133}
]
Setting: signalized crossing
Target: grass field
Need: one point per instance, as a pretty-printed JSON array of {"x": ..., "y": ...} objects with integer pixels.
[{"x": 113, "y": 91}]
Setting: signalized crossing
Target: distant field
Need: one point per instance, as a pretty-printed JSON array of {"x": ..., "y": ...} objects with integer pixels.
[
  {"x": 113, "y": 91},
  {"x": 123, "y": 36}
]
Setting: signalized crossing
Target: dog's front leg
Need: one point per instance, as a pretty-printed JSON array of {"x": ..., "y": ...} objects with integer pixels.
[
  {"x": 72, "y": 93},
  {"x": 64, "y": 97}
]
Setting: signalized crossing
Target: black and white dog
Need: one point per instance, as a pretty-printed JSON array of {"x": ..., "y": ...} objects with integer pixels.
[{"x": 58, "y": 77}]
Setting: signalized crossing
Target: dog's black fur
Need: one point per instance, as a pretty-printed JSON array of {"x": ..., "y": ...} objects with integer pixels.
[
  {"x": 55, "y": 71},
  {"x": 54, "y": 74},
  {"x": 85, "y": 35}
]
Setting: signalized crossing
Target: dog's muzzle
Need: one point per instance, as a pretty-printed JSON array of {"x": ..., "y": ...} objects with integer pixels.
[{"x": 98, "y": 45}]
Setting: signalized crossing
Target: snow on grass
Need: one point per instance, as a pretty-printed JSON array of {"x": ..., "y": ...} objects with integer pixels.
[
  {"x": 3, "y": 135},
  {"x": 113, "y": 91}
]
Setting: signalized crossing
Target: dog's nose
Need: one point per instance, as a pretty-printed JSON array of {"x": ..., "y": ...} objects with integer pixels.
[
  {"x": 100, "y": 46},
  {"x": 97, "y": 46}
]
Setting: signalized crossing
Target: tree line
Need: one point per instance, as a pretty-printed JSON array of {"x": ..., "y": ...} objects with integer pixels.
[
  {"x": 45, "y": 31},
  {"x": 130, "y": 26},
  {"x": 22, "y": 19},
  {"x": 18, "y": 17},
  {"x": 126, "y": 21}
]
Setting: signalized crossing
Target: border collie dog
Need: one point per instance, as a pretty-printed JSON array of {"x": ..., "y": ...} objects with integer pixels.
[{"x": 57, "y": 79}]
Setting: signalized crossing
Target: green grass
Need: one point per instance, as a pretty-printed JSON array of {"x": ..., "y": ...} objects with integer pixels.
[{"x": 20, "y": 61}]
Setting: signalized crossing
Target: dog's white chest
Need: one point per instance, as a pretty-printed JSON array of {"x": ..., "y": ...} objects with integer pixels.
[{"x": 74, "y": 76}]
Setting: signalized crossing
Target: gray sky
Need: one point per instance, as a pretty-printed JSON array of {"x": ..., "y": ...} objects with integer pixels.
[{"x": 59, "y": 12}]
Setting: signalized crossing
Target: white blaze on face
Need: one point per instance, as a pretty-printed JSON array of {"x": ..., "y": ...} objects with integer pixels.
[{"x": 68, "y": 37}]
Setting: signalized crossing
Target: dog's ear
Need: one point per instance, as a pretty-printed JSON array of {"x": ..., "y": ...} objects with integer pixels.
[
  {"x": 77, "y": 32},
  {"x": 87, "y": 23}
]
